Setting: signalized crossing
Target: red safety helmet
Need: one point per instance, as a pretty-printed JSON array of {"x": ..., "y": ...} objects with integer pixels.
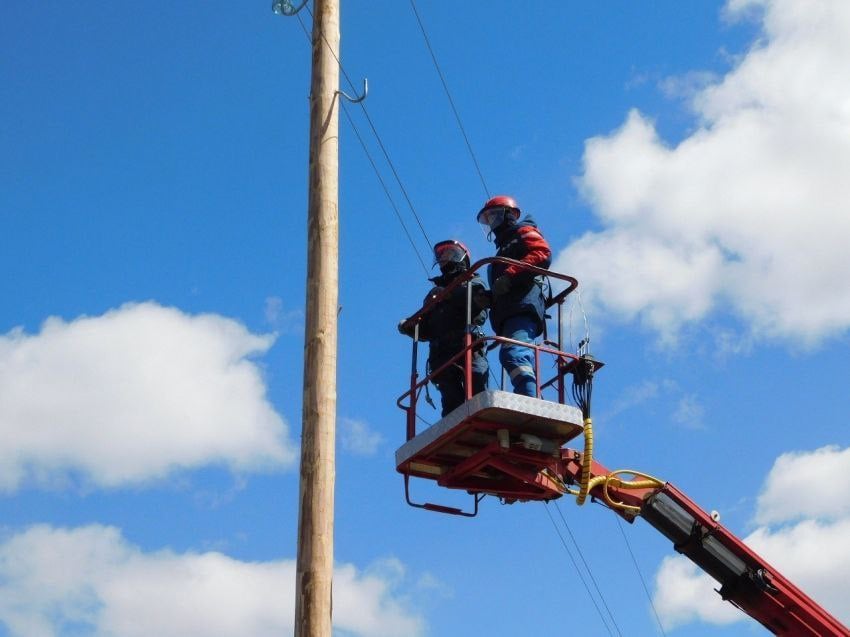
[
  {"x": 451, "y": 251},
  {"x": 494, "y": 211}
]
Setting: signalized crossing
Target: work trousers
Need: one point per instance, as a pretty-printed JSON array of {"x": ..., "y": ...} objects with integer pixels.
[
  {"x": 518, "y": 361},
  {"x": 450, "y": 383}
]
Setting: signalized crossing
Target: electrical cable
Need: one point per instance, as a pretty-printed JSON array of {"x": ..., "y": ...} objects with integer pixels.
[
  {"x": 493, "y": 376},
  {"x": 580, "y": 305},
  {"x": 486, "y": 233},
  {"x": 578, "y": 570},
  {"x": 386, "y": 190},
  {"x": 384, "y": 150},
  {"x": 589, "y": 572},
  {"x": 640, "y": 575},
  {"x": 451, "y": 101},
  {"x": 422, "y": 420},
  {"x": 372, "y": 162},
  {"x": 378, "y": 139}
]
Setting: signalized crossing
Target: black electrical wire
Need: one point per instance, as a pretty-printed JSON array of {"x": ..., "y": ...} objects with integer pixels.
[
  {"x": 423, "y": 421},
  {"x": 372, "y": 163},
  {"x": 589, "y": 572},
  {"x": 451, "y": 101},
  {"x": 578, "y": 570},
  {"x": 582, "y": 390},
  {"x": 386, "y": 190},
  {"x": 384, "y": 150},
  {"x": 378, "y": 139},
  {"x": 640, "y": 575}
]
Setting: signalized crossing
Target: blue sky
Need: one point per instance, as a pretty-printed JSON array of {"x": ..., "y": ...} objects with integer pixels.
[{"x": 686, "y": 161}]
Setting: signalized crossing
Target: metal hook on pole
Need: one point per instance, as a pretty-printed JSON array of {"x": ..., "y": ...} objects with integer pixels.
[
  {"x": 286, "y": 7},
  {"x": 359, "y": 98}
]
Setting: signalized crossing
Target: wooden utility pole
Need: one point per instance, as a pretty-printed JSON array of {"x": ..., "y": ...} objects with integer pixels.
[{"x": 314, "y": 571}]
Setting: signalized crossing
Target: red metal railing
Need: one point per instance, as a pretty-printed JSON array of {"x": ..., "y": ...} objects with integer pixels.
[{"x": 563, "y": 361}]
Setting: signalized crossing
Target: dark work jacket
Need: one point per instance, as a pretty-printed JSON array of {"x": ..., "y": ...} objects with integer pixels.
[
  {"x": 521, "y": 241},
  {"x": 445, "y": 325}
]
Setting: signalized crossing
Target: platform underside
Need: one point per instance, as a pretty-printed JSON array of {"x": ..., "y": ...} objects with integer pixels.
[{"x": 497, "y": 443}]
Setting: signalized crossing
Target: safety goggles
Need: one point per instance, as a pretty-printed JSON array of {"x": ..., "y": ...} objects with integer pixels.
[
  {"x": 493, "y": 217},
  {"x": 448, "y": 253}
]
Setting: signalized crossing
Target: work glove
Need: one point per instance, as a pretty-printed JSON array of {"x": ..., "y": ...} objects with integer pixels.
[{"x": 501, "y": 285}]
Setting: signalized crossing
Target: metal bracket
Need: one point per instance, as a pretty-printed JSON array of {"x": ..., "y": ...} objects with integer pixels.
[
  {"x": 359, "y": 98},
  {"x": 439, "y": 508}
]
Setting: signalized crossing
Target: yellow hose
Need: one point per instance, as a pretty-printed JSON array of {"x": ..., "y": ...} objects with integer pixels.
[
  {"x": 586, "y": 461},
  {"x": 611, "y": 479},
  {"x": 649, "y": 482}
]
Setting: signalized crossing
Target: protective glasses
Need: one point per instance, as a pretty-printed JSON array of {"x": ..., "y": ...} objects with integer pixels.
[
  {"x": 448, "y": 253},
  {"x": 493, "y": 217}
]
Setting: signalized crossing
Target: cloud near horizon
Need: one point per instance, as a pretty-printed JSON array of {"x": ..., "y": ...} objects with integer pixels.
[
  {"x": 58, "y": 581},
  {"x": 750, "y": 213},
  {"x": 357, "y": 437},
  {"x": 134, "y": 395},
  {"x": 804, "y": 532}
]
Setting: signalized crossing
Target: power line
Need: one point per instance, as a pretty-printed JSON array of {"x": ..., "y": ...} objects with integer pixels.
[
  {"x": 578, "y": 570},
  {"x": 451, "y": 101},
  {"x": 589, "y": 572},
  {"x": 380, "y": 142},
  {"x": 369, "y": 157},
  {"x": 386, "y": 190},
  {"x": 640, "y": 575}
]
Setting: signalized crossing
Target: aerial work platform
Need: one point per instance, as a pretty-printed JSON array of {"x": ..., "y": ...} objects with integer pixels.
[
  {"x": 496, "y": 443},
  {"x": 513, "y": 447}
]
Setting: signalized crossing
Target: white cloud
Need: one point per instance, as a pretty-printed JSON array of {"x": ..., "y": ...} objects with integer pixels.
[
  {"x": 284, "y": 321},
  {"x": 813, "y": 553},
  {"x": 363, "y": 602},
  {"x": 57, "y": 581},
  {"x": 806, "y": 485},
  {"x": 431, "y": 583},
  {"x": 689, "y": 85},
  {"x": 631, "y": 397},
  {"x": 689, "y": 412},
  {"x": 686, "y": 410},
  {"x": 685, "y": 594},
  {"x": 751, "y": 212},
  {"x": 133, "y": 395},
  {"x": 358, "y": 438}
]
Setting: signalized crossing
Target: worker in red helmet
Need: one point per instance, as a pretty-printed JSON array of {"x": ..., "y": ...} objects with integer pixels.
[
  {"x": 444, "y": 326},
  {"x": 518, "y": 303}
]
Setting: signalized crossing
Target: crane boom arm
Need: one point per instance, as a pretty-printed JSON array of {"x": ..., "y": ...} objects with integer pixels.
[{"x": 746, "y": 579}]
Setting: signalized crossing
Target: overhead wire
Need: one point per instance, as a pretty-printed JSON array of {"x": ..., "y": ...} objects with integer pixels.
[
  {"x": 578, "y": 570},
  {"x": 386, "y": 190},
  {"x": 449, "y": 95},
  {"x": 459, "y": 123},
  {"x": 378, "y": 139},
  {"x": 640, "y": 574},
  {"x": 580, "y": 305},
  {"x": 369, "y": 156},
  {"x": 589, "y": 571},
  {"x": 383, "y": 148}
]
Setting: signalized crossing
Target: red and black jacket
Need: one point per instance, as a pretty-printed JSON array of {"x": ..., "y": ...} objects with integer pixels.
[{"x": 524, "y": 242}]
